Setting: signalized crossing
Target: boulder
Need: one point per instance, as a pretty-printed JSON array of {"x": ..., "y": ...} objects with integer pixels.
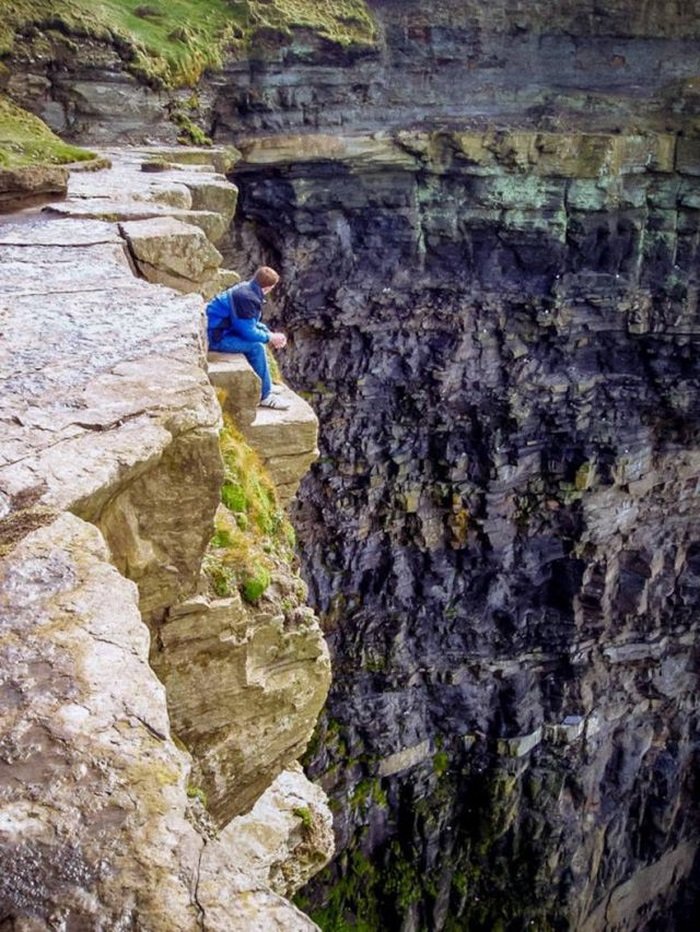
[{"x": 22, "y": 187}]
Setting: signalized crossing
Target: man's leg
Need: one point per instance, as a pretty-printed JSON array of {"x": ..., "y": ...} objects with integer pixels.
[{"x": 254, "y": 353}]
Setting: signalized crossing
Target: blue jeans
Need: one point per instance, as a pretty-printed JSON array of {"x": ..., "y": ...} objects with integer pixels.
[{"x": 253, "y": 352}]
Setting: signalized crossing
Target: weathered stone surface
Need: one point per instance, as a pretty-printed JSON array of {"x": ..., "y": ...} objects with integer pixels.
[
  {"x": 283, "y": 433},
  {"x": 106, "y": 411},
  {"x": 233, "y": 672},
  {"x": 218, "y": 196},
  {"x": 239, "y": 386},
  {"x": 286, "y": 838},
  {"x": 92, "y": 790},
  {"x": 167, "y": 248},
  {"x": 211, "y": 224},
  {"x": 405, "y": 759},
  {"x": 284, "y": 440},
  {"x": 86, "y": 748},
  {"x": 21, "y": 187}
]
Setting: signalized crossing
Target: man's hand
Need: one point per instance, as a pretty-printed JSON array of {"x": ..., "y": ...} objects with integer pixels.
[{"x": 278, "y": 340}]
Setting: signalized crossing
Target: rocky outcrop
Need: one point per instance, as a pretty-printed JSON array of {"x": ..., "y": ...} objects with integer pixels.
[
  {"x": 233, "y": 673},
  {"x": 496, "y": 329},
  {"x": 110, "y": 475},
  {"x": 621, "y": 65},
  {"x": 285, "y": 441},
  {"x": 94, "y": 830},
  {"x": 22, "y": 187},
  {"x": 287, "y": 837}
]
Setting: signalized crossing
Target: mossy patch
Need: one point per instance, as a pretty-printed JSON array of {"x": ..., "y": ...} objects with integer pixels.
[
  {"x": 25, "y": 140},
  {"x": 173, "y": 42},
  {"x": 252, "y": 534}
]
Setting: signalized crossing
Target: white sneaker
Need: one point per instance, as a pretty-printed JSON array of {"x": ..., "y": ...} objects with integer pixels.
[
  {"x": 277, "y": 389},
  {"x": 274, "y": 401}
]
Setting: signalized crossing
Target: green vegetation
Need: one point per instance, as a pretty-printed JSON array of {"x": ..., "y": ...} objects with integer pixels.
[
  {"x": 172, "y": 42},
  {"x": 353, "y": 901},
  {"x": 252, "y": 534},
  {"x": 26, "y": 140},
  {"x": 369, "y": 792},
  {"x": 196, "y": 792},
  {"x": 304, "y": 813},
  {"x": 441, "y": 763}
]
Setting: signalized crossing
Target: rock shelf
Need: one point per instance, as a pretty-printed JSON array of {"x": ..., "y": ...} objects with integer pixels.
[{"x": 109, "y": 480}]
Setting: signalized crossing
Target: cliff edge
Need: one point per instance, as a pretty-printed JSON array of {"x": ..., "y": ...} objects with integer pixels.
[{"x": 116, "y": 784}]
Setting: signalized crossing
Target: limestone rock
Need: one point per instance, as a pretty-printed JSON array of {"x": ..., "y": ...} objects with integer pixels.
[
  {"x": 166, "y": 248},
  {"x": 285, "y": 441},
  {"x": 21, "y": 187},
  {"x": 286, "y": 838},
  {"x": 106, "y": 411},
  {"x": 92, "y": 792},
  {"x": 233, "y": 672},
  {"x": 239, "y": 384}
]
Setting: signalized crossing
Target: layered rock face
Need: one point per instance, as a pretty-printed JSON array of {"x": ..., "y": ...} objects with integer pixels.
[
  {"x": 546, "y": 63},
  {"x": 110, "y": 477},
  {"x": 498, "y": 331}
]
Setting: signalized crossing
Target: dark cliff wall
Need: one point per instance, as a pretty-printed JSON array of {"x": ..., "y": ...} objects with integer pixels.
[
  {"x": 499, "y": 334},
  {"x": 604, "y": 65}
]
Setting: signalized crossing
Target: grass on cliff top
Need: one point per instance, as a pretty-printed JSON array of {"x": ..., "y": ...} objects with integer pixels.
[
  {"x": 252, "y": 531},
  {"x": 26, "y": 140},
  {"x": 172, "y": 42}
]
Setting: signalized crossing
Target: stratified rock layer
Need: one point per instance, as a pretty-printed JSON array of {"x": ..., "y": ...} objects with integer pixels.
[
  {"x": 499, "y": 333},
  {"x": 107, "y": 417}
]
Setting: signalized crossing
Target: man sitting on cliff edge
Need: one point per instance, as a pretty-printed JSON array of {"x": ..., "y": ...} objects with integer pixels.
[{"x": 234, "y": 325}]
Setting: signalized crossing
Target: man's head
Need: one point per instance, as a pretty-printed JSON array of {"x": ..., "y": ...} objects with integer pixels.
[{"x": 266, "y": 277}]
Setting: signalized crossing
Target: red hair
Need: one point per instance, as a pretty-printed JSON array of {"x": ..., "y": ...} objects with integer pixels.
[{"x": 266, "y": 277}]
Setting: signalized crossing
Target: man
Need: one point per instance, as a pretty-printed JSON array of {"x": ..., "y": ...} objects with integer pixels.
[{"x": 234, "y": 326}]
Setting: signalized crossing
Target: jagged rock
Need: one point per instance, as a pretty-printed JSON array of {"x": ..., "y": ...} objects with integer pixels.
[
  {"x": 232, "y": 672},
  {"x": 286, "y": 838},
  {"x": 170, "y": 252},
  {"x": 498, "y": 533},
  {"x": 22, "y": 187}
]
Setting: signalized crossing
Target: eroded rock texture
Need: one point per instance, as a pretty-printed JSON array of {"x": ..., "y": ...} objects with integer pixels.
[
  {"x": 110, "y": 476},
  {"x": 499, "y": 333}
]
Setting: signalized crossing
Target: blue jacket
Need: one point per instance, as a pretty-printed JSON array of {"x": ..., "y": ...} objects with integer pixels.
[{"x": 237, "y": 312}]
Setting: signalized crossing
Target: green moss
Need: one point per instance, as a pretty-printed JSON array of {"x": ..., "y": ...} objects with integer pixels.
[
  {"x": 369, "y": 793},
  {"x": 304, "y": 813},
  {"x": 582, "y": 477},
  {"x": 402, "y": 881},
  {"x": 26, "y": 140},
  {"x": 196, "y": 792},
  {"x": 254, "y": 586},
  {"x": 352, "y": 902},
  {"x": 190, "y": 133},
  {"x": 441, "y": 763},
  {"x": 173, "y": 42},
  {"x": 252, "y": 533}
]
